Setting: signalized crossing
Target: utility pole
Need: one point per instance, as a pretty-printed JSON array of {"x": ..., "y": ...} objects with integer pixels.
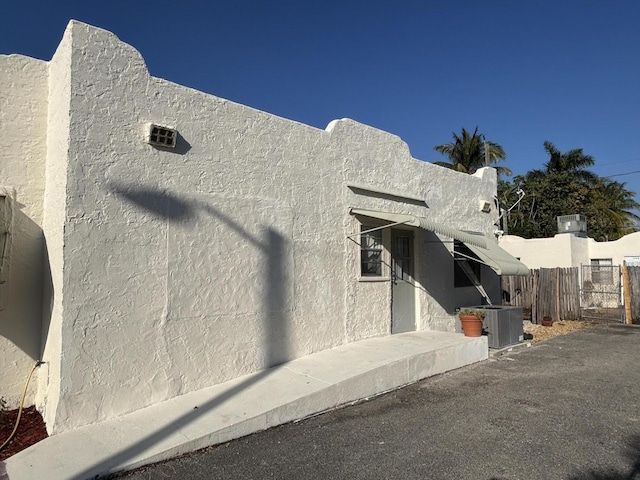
[{"x": 486, "y": 155}]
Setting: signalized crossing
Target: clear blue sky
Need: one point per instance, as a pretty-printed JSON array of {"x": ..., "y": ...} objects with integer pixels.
[{"x": 567, "y": 71}]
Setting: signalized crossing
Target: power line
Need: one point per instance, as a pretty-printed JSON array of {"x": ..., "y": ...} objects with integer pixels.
[
  {"x": 621, "y": 174},
  {"x": 615, "y": 163}
]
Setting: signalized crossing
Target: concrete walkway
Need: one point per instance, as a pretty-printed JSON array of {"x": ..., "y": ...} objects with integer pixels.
[
  {"x": 288, "y": 392},
  {"x": 563, "y": 409}
]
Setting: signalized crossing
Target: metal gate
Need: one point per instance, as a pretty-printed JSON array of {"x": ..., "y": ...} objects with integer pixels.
[{"x": 601, "y": 293}]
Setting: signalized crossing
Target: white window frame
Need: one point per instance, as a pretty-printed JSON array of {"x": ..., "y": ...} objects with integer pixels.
[
  {"x": 368, "y": 232},
  {"x": 602, "y": 276}
]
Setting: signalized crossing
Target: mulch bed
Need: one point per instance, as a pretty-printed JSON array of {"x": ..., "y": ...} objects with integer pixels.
[
  {"x": 541, "y": 333},
  {"x": 30, "y": 430}
]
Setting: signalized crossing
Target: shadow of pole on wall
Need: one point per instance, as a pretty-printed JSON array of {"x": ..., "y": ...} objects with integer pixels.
[
  {"x": 22, "y": 319},
  {"x": 275, "y": 308}
]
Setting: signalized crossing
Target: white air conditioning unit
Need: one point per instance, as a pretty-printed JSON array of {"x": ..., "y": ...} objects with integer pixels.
[{"x": 576, "y": 224}]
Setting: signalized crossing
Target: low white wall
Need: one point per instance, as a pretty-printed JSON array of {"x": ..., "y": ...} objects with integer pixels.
[
  {"x": 566, "y": 250},
  {"x": 563, "y": 250},
  {"x": 627, "y": 246}
]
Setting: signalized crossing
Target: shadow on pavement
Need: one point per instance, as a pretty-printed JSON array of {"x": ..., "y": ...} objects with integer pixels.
[{"x": 632, "y": 454}]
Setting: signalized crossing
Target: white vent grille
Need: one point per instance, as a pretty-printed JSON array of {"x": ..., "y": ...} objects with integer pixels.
[{"x": 160, "y": 136}]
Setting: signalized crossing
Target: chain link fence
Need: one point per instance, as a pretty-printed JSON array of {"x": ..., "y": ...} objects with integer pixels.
[{"x": 601, "y": 293}]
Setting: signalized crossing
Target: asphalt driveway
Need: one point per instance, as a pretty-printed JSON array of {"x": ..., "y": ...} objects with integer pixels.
[{"x": 568, "y": 408}]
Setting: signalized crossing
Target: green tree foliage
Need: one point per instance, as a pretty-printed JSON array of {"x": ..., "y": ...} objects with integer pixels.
[
  {"x": 566, "y": 187},
  {"x": 467, "y": 153}
]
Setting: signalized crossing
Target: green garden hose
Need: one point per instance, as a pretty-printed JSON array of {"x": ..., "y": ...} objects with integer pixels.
[{"x": 24, "y": 394}]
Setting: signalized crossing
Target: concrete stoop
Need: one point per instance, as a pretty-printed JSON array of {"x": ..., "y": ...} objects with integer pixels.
[{"x": 214, "y": 415}]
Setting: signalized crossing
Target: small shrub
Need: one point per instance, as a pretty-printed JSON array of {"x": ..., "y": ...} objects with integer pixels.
[{"x": 472, "y": 311}]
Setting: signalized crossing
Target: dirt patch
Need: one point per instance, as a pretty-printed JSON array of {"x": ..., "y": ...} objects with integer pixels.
[
  {"x": 30, "y": 430},
  {"x": 562, "y": 327}
]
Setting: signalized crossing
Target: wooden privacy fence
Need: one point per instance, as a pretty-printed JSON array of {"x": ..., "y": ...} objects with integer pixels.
[{"x": 555, "y": 292}]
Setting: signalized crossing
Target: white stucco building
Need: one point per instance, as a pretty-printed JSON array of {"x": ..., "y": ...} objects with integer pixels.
[{"x": 139, "y": 271}]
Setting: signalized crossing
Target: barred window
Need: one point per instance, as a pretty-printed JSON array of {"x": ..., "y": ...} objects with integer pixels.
[{"x": 602, "y": 271}]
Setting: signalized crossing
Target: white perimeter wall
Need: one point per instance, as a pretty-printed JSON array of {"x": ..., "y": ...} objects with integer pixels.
[
  {"x": 175, "y": 270},
  {"x": 566, "y": 250},
  {"x": 627, "y": 246}
]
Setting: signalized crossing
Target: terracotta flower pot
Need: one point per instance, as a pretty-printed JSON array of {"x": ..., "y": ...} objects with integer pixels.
[
  {"x": 547, "y": 321},
  {"x": 471, "y": 325}
]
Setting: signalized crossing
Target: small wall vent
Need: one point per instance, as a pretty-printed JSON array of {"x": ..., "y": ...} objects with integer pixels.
[
  {"x": 160, "y": 136},
  {"x": 485, "y": 206}
]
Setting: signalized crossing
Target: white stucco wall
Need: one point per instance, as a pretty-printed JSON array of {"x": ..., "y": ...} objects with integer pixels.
[
  {"x": 172, "y": 270},
  {"x": 54, "y": 224},
  {"x": 23, "y": 123},
  {"x": 627, "y": 246},
  {"x": 567, "y": 250},
  {"x": 544, "y": 252}
]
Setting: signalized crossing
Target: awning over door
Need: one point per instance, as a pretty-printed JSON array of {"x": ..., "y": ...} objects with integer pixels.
[
  {"x": 486, "y": 249},
  {"x": 425, "y": 224}
]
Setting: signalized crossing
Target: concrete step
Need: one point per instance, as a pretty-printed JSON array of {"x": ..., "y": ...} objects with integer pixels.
[{"x": 217, "y": 414}]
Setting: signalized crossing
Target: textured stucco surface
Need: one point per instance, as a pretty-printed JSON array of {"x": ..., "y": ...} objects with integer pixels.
[
  {"x": 627, "y": 246},
  {"x": 173, "y": 270},
  {"x": 566, "y": 250},
  {"x": 23, "y": 122}
]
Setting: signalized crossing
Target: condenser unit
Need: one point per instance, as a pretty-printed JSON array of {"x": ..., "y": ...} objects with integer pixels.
[{"x": 503, "y": 324}]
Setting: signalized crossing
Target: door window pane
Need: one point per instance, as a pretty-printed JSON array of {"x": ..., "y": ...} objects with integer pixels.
[{"x": 401, "y": 254}]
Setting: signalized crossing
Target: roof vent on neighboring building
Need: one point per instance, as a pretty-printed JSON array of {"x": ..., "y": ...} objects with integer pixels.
[
  {"x": 159, "y": 136},
  {"x": 576, "y": 224}
]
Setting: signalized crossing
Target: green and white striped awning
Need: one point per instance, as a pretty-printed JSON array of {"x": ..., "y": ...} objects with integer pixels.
[
  {"x": 500, "y": 261},
  {"x": 486, "y": 249},
  {"x": 424, "y": 223}
]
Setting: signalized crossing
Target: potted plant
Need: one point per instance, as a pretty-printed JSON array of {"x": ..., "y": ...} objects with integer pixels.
[{"x": 471, "y": 319}]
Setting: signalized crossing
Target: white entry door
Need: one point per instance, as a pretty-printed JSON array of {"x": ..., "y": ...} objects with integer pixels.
[{"x": 403, "y": 300}]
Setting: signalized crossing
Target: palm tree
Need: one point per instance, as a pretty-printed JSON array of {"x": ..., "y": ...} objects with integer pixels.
[
  {"x": 616, "y": 205},
  {"x": 469, "y": 152},
  {"x": 564, "y": 187},
  {"x": 573, "y": 162}
]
